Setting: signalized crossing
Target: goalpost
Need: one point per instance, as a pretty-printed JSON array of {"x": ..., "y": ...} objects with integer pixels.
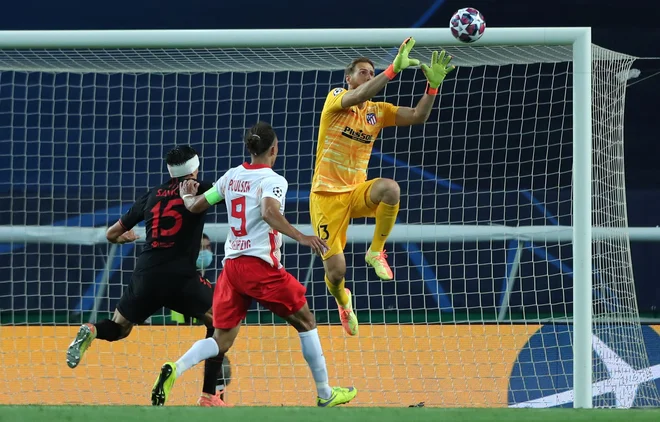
[{"x": 513, "y": 280}]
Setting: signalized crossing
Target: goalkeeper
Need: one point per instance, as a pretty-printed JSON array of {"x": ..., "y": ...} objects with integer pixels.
[{"x": 349, "y": 125}]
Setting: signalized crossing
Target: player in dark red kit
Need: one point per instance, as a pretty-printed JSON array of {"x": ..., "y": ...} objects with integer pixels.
[{"x": 165, "y": 274}]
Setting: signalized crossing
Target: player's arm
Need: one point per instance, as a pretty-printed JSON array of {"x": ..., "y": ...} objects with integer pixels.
[
  {"x": 435, "y": 74},
  {"x": 270, "y": 212},
  {"x": 368, "y": 90},
  {"x": 122, "y": 231},
  {"x": 198, "y": 203},
  {"x": 117, "y": 233},
  {"x": 365, "y": 92},
  {"x": 407, "y": 116}
]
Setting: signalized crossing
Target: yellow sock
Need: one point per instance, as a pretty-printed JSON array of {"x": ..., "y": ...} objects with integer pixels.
[
  {"x": 337, "y": 290},
  {"x": 385, "y": 219}
]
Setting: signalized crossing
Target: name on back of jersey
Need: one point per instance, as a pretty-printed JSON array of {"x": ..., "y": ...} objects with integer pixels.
[
  {"x": 240, "y": 186},
  {"x": 168, "y": 192},
  {"x": 240, "y": 244}
]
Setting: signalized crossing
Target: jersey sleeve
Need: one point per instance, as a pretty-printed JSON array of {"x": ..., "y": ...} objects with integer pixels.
[
  {"x": 216, "y": 192},
  {"x": 389, "y": 114},
  {"x": 274, "y": 187},
  {"x": 135, "y": 214},
  {"x": 333, "y": 100}
]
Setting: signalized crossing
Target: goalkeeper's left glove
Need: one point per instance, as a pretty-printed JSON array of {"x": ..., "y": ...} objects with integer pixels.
[{"x": 436, "y": 73}]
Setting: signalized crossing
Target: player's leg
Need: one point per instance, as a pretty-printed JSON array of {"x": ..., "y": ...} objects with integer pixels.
[
  {"x": 330, "y": 216},
  {"x": 378, "y": 198},
  {"x": 215, "y": 382},
  {"x": 215, "y": 346},
  {"x": 109, "y": 330},
  {"x": 288, "y": 301},
  {"x": 335, "y": 272},
  {"x": 229, "y": 308},
  {"x": 136, "y": 304},
  {"x": 194, "y": 299}
]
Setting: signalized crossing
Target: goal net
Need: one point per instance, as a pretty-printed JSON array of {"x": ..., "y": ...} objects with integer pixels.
[{"x": 481, "y": 309}]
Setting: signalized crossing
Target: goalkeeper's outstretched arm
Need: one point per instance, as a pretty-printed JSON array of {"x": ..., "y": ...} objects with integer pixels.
[
  {"x": 364, "y": 92},
  {"x": 368, "y": 90},
  {"x": 407, "y": 116},
  {"x": 435, "y": 74}
]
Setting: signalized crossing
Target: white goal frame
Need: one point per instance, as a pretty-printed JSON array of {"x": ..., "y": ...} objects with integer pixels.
[{"x": 577, "y": 37}]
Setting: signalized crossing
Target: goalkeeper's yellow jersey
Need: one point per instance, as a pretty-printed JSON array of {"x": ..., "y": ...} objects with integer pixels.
[{"x": 346, "y": 138}]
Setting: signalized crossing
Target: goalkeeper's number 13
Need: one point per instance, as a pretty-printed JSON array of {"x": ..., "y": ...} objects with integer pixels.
[{"x": 323, "y": 232}]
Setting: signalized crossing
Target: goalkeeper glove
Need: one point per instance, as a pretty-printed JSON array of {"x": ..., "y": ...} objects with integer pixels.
[
  {"x": 402, "y": 61},
  {"x": 436, "y": 73}
]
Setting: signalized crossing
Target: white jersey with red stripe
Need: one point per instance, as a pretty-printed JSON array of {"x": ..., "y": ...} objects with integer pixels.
[{"x": 243, "y": 188}]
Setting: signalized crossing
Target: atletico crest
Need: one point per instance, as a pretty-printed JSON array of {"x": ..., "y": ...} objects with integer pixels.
[{"x": 371, "y": 118}]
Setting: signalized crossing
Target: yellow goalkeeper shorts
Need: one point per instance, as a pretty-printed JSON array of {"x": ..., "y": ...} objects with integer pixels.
[{"x": 331, "y": 213}]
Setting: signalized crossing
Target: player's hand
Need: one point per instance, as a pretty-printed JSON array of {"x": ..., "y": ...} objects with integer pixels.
[
  {"x": 188, "y": 187},
  {"x": 127, "y": 237},
  {"x": 318, "y": 245},
  {"x": 439, "y": 68},
  {"x": 402, "y": 61}
]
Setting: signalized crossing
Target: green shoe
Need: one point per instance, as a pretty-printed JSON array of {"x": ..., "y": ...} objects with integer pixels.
[
  {"x": 339, "y": 396},
  {"x": 80, "y": 344},
  {"x": 378, "y": 260},
  {"x": 347, "y": 317},
  {"x": 164, "y": 383}
]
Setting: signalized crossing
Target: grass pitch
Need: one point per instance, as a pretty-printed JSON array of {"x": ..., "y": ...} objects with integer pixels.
[{"x": 311, "y": 414}]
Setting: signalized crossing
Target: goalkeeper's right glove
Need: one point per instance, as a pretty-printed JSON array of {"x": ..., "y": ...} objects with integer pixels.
[
  {"x": 436, "y": 73},
  {"x": 402, "y": 61}
]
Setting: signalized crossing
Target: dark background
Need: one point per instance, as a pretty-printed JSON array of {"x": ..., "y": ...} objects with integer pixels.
[{"x": 36, "y": 191}]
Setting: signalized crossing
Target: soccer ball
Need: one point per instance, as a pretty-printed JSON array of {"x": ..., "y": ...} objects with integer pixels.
[{"x": 467, "y": 25}]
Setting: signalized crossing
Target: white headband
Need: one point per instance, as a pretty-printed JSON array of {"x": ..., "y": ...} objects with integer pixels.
[{"x": 184, "y": 169}]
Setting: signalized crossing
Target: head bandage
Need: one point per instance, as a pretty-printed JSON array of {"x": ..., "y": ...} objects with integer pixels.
[{"x": 184, "y": 169}]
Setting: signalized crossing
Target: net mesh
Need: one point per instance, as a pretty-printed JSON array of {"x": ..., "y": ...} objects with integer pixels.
[{"x": 465, "y": 323}]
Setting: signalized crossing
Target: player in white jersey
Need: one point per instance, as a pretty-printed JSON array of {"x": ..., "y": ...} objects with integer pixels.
[
  {"x": 243, "y": 188},
  {"x": 252, "y": 267}
]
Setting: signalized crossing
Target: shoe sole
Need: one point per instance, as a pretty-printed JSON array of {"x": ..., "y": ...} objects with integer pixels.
[
  {"x": 385, "y": 278},
  {"x": 74, "y": 352},
  {"x": 342, "y": 403},
  {"x": 158, "y": 392},
  {"x": 351, "y": 399}
]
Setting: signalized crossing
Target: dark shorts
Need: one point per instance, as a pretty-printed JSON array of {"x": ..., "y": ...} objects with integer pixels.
[{"x": 147, "y": 293}]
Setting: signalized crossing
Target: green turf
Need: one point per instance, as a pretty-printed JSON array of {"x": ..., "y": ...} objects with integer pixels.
[{"x": 311, "y": 414}]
